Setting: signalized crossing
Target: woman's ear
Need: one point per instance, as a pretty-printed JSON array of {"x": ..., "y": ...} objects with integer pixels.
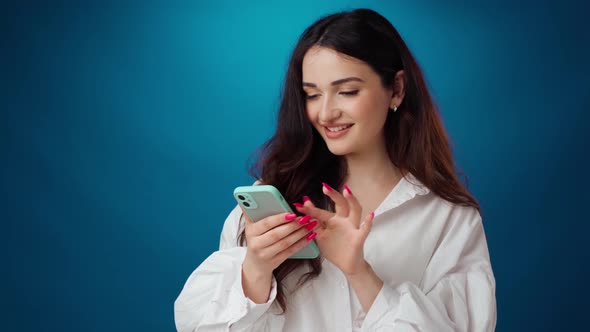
[{"x": 399, "y": 90}]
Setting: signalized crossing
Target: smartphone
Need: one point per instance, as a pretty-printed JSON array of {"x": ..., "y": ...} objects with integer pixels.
[{"x": 261, "y": 201}]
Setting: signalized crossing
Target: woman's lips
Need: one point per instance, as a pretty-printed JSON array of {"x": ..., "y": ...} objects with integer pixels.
[{"x": 336, "y": 134}]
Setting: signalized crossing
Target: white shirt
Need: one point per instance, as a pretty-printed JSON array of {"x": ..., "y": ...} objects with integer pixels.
[{"x": 432, "y": 256}]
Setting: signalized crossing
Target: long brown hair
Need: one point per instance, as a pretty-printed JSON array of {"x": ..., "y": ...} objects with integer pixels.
[{"x": 296, "y": 159}]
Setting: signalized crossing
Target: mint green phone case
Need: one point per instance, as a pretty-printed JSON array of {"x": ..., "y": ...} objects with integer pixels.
[{"x": 259, "y": 202}]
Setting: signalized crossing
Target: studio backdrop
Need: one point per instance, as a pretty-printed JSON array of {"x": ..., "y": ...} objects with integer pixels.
[{"x": 125, "y": 126}]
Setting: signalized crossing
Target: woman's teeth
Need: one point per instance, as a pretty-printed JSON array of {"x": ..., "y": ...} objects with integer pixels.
[{"x": 339, "y": 128}]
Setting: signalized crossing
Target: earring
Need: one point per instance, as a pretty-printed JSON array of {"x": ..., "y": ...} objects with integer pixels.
[{"x": 394, "y": 108}]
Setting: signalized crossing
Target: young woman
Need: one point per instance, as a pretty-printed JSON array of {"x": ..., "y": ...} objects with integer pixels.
[{"x": 362, "y": 155}]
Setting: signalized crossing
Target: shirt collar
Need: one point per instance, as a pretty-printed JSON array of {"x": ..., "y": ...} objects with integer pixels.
[{"x": 407, "y": 188}]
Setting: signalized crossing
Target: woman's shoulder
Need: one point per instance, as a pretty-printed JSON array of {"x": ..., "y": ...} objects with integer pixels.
[
  {"x": 443, "y": 207},
  {"x": 452, "y": 212}
]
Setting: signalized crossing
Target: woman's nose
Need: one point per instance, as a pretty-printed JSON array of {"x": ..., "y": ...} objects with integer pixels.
[{"x": 329, "y": 111}]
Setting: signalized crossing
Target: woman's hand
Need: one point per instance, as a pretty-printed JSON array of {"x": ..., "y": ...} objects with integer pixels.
[
  {"x": 270, "y": 242},
  {"x": 341, "y": 235}
]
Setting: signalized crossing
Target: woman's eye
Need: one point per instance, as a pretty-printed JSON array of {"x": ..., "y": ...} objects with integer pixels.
[
  {"x": 310, "y": 97},
  {"x": 350, "y": 93}
]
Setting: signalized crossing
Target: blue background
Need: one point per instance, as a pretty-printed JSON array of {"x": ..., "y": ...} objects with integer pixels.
[{"x": 126, "y": 125}]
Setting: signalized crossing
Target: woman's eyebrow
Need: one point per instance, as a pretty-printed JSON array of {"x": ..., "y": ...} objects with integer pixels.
[{"x": 337, "y": 82}]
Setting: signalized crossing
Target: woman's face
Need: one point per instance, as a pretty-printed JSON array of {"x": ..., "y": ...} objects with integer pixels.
[{"x": 346, "y": 101}]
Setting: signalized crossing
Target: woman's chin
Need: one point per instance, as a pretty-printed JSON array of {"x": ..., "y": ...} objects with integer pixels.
[{"x": 339, "y": 150}]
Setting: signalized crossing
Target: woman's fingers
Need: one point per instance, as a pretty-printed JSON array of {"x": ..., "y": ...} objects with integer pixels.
[
  {"x": 287, "y": 242},
  {"x": 306, "y": 203},
  {"x": 354, "y": 213},
  {"x": 316, "y": 213},
  {"x": 268, "y": 223},
  {"x": 346, "y": 205},
  {"x": 367, "y": 225},
  {"x": 295, "y": 247},
  {"x": 341, "y": 204},
  {"x": 280, "y": 232},
  {"x": 308, "y": 208}
]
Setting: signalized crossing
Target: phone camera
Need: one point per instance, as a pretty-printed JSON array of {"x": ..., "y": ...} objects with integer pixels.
[
  {"x": 241, "y": 197},
  {"x": 246, "y": 204}
]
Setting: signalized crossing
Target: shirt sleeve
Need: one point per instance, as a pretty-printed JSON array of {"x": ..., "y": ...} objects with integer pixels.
[
  {"x": 213, "y": 298},
  {"x": 457, "y": 292}
]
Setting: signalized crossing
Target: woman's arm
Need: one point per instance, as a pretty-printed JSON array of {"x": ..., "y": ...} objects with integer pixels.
[
  {"x": 213, "y": 298},
  {"x": 457, "y": 292}
]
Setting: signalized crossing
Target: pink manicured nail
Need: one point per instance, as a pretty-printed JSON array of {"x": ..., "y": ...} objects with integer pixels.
[
  {"x": 328, "y": 188},
  {"x": 290, "y": 216},
  {"x": 311, "y": 225},
  {"x": 304, "y": 220},
  {"x": 297, "y": 204},
  {"x": 348, "y": 190},
  {"x": 311, "y": 236},
  {"x": 372, "y": 215},
  {"x": 305, "y": 199}
]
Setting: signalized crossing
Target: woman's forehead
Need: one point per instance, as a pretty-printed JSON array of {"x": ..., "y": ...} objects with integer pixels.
[
  {"x": 318, "y": 55},
  {"x": 321, "y": 64}
]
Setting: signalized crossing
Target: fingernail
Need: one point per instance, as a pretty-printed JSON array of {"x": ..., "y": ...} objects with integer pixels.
[
  {"x": 290, "y": 216},
  {"x": 348, "y": 190},
  {"x": 311, "y": 225},
  {"x": 328, "y": 188},
  {"x": 372, "y": 215},
  {"x": 304, "y": 220},
  {"x": 298, "y": 204},
  {"x": 305, "y": 199},
  {"x": 311, "y": 236}
]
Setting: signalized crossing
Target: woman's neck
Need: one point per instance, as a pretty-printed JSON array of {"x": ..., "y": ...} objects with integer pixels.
[
  {"x": 371, "y": 170},
  {"x": 371, "y": 177}
]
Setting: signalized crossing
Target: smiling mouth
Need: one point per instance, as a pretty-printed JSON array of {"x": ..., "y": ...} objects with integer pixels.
[{"x": 337, "y": 129}]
